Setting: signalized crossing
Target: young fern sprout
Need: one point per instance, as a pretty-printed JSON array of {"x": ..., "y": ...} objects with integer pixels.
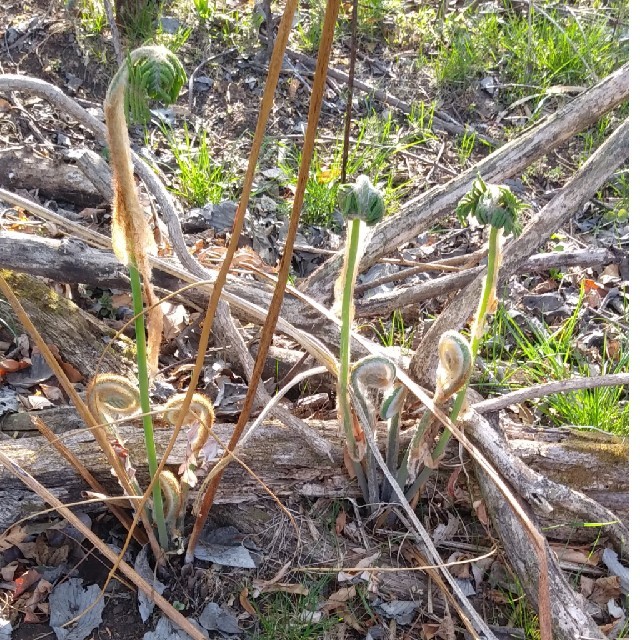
[
  {"x": 391, "y": 410},
  {"x": 372, "y": 372},
  {"x": 359, "y": 202},
  {"x": 156, "y": 74},
  {"x": 498, "y": 207},
  {"x": 200, "y": 419},
  {"x": 454, "y": 369}
]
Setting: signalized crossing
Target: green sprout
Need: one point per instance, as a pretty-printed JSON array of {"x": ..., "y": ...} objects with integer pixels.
[
  {"x": 499, "y": 208},
  {"x": 359, "y": 202}
]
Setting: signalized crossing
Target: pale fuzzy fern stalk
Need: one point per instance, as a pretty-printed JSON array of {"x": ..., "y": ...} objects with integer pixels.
[{"x": 131, "y": 235}]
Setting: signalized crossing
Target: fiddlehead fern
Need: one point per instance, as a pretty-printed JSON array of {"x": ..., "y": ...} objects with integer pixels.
[{"x": 361, "y": 201}]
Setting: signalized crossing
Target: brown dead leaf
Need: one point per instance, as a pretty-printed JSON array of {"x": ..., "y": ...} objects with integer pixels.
[
  {"x": 25, "y": 581},
  {"x": 8, "y": 365},
  {"x": 339, "y": 598},
  {"x": 576, "y": 555},
  {"x": 462, "y": 571},
  {"x": 447, "y": 629},
  {"x": 36, "y": 610},
  {"x": 610, "y": 274},
  {"x": 352, "y": 621},
  {"x": 175, "y": 319},
  {"x": 481, "y": 511},
  {"x": 72, "y": 373},
  {"x": 9, "y": 571},
  {"x": 429, "y": 631},
  {"x": 546, "y": 286},
  {"x": 604, "y": 589},
  {"x": 245, "y": 604},
  {"x": 453, "y": 479},
  {"x": 121, "y": 300},
  {"x": 51, "y": 392},
  {"x": 286, "y": 587},
  {"x": 586, "y": 586},
  {"x": 341, "y": 521}
]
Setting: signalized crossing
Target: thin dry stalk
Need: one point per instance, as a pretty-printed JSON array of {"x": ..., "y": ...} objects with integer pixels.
[
  {"x": 326, "y": 41},
  {"x": 86, "y": 475},
  {"x": 166, "y": 607}
]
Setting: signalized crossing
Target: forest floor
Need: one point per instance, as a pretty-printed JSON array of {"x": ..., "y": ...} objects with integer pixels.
[{"x": 467, "y": 67}]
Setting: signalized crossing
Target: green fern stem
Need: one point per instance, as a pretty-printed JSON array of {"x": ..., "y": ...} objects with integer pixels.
[
  {"x": 488, "y": 291},
  {"x": 351, "y": 257},
  {"x": 145, "y": 405}
]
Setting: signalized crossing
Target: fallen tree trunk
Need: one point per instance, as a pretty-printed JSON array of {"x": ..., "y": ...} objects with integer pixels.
[
  {"x": 77, "y": 335},
  {"x": 589, "y": 178},
  {"x": 285, "y": 462}
]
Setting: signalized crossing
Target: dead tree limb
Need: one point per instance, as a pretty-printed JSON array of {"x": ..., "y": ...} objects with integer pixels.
[
  {"x": 423, "y": 211},
  {"x": 542, "y": 390},
  {"x": 589, "y": 178}
]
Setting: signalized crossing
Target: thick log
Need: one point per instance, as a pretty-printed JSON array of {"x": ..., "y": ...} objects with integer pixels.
[
  {"x": 55, "y": 179},
  {"x": 421, "y": 212},
  {"x": 285, "y": 462},
  {"x": 78, "y": 336}
]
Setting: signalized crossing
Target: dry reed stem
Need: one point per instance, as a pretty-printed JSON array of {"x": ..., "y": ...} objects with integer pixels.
[
  {"x": 97, "y": 431},
  {"x": 269, "y": 326}
]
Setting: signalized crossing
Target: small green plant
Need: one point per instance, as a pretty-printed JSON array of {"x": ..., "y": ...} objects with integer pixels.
[
  {"x": 92, "y": 17},
  {"x": 466, "y": 146},
  {"x": 203, "y": 9},
  {"x": 358, "y": 202},
  {"x": 140, "y": 19},
  {"x": 199, "y": 179},
  {"x": 394, "y": 332},
  {"x": 541, "y": 355},
  {"x": 283, "y": 616}
]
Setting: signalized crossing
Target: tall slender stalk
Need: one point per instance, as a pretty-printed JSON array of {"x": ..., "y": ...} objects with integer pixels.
[
  {"x": 498, "y": 207},
  {"x": 145, "y": 405}
]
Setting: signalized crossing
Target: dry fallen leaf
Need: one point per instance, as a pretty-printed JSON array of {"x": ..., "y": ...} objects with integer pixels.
[
  {"x": 72, "y": 373},
  {"x": 8, "y": 365},
  {"x": 604, "y": 589},
  {"x": 245, "y": 604},
  {"x": 338, "y": 598},
  {"x": 341, "y": 521}
]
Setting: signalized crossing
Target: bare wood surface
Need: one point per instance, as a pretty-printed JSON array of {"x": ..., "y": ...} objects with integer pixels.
[
  {"x": 419, "y": 214},
  {"x": 55, "y": 179},
  {"x": 77, "y": 335},
  {"x": 285, "y": 461},
  {"x": 386, "y": 303},
  {"x": 589, "y": 178}
]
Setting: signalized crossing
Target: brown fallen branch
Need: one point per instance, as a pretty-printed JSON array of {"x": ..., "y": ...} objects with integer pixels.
[
  {"x": 542, "y": 390},
  {"x": 512, "y": 158},
  {"x": 588, "y": 179}
]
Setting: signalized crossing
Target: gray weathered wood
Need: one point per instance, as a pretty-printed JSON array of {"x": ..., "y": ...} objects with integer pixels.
[
  {"x": 55, "y": 179},
  {"x": 79, "y": 337}
]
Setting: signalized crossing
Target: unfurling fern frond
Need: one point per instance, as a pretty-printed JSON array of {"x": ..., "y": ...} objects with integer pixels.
[{"x": 154, "y": 73}]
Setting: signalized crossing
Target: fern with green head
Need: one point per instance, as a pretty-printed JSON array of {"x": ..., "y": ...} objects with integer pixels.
[{"x": 152, "y": 73}]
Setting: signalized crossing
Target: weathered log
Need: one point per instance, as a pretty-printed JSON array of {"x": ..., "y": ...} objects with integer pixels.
[
  {"x": 55, "y": 179},
  {"x": 285, "y": 462},
  {"x": 78, "y": 336},
  {"x": 419, "y": 214}
]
